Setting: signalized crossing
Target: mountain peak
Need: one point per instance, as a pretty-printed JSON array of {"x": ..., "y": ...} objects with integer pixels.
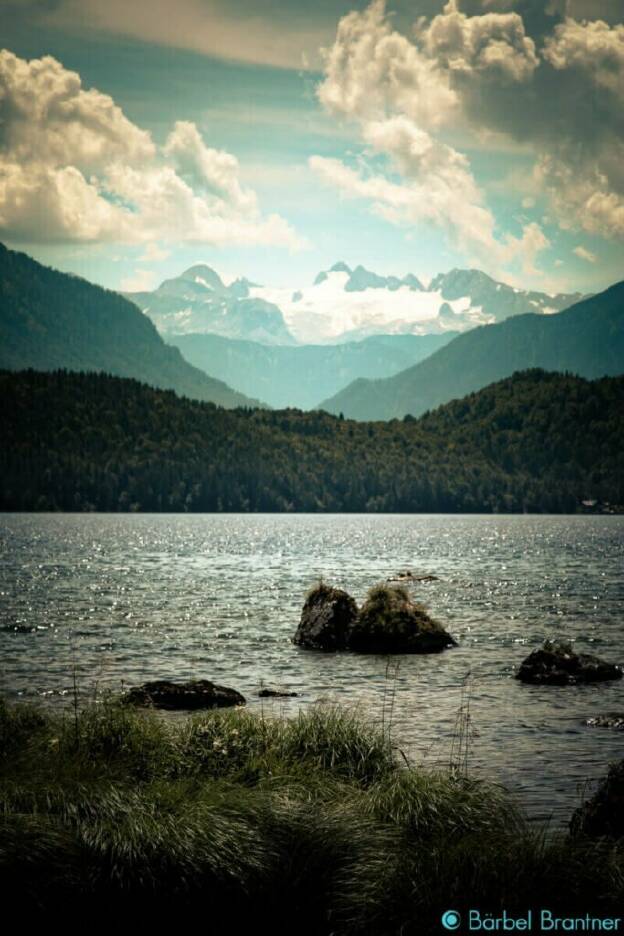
[{"x": 203, "y": 274}]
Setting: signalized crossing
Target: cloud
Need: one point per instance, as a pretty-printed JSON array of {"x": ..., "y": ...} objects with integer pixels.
[
  {"x": 400, "y": 93},
  {"x": 139, "y": 281},
  {"x": 207, "y": 170},
  {"x": 585, "y": 254},
  {"x": 439, "y": 190},
  {"x": 477, "y": 72},
  {"x": 582, "y": 196},
  {"x": 494, "y": 44},
  {"x": 372, "y": 71},
  {"x": 265, "y": 34},
  {"x": 154, "y": 253},
  {"x": 46, "y": 114},
  {"x": 74, "y": 168},
  {"x": 595, "y": 47}
]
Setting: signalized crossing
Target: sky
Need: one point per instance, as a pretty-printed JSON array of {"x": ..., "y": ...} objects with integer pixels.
[{"x": 272, "y": 138}]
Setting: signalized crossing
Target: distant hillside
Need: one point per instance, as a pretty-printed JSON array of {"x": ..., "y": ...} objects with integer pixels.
[
  {"x": 533, "y": 442},
  {"x": 51, "y": 320},
  {"x": 299, "y": 376},
  {"x": 587, "y": 339}
]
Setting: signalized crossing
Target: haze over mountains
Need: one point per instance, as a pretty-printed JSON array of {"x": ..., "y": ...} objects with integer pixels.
[
  {"x": 50, "y": 320},
  {"x": 586, "y": 339},
  {"x": 342, "y": 304},
  {"x": 300, "y": 376}
]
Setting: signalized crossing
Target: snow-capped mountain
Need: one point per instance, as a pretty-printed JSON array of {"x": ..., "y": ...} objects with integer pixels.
[
  {"x": 342, "y": 304},
  {"x": 199, "y": 301},
  {"x": 346, "y": 305}
]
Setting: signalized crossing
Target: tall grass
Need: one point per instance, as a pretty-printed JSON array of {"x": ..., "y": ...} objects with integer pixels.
[{"x": 306, "y": 825}]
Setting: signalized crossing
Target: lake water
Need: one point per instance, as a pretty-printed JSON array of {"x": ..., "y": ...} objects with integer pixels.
[{"x": 126, "y": 598}]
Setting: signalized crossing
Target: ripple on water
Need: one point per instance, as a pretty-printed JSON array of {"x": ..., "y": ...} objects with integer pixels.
[{"x": 131, "y": 597}]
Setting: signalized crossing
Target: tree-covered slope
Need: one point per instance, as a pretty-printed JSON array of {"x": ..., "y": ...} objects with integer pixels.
[
  {"x": 51, "y": 320},
  {"x": 299, "y": 376},
  {"x": 587, "y": 339},
  {"x": 534, "y": 442}
]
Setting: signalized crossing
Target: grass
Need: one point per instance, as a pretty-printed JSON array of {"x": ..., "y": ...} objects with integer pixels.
[{"x": 308, "y": 825}]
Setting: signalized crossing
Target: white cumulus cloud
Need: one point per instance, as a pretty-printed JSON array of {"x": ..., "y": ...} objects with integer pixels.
[
  {"x": 400, "y": 93},
  {"x": 494, "y": 43},
  {"x": 585, "y": 254},
  {"x": 74, "y": 168}
]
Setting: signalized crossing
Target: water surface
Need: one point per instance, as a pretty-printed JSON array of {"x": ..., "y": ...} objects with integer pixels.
[{"x": 124, "y": 598}]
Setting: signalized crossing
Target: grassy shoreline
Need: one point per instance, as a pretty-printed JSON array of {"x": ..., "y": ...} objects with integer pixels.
[{"x": 308, "y": 825}]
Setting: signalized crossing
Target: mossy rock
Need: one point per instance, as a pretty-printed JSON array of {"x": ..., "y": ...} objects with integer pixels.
[
  {"x": 326, "y": 617},
  {"x": 390, "y": 622}
]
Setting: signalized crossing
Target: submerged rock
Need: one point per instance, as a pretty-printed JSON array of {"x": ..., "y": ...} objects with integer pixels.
[
  {"x": 197, "y": 694},
  {"x": 408, "y": 576},
  {"x": 615, "y": 720},
  {"x": 326, "y": 617},
  {"x": 267, "y": 693},
  {"x": 603, "y": 814},
  {"x": 390, "y": 622},
  {"x": 556, "y": 664}
]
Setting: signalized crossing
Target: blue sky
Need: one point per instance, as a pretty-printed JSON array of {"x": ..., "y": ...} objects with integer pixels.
[{"x": 445, "y": 153}]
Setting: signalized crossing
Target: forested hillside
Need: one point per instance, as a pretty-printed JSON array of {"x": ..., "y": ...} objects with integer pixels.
[
  {"x": 586, "y": 339},
  {"x": 50, "y": 320},
  {"x": 536, "y": 442}
]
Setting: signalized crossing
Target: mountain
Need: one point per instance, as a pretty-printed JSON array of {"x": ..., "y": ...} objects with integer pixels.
[
  {"x": 360, "y": 279},
  {"x": 51, "y": 320},
  {"x": 342, "y": 305},
  {"x": 345, "y": 304},
  {"x": 533, "y": 442},
  {"x": 199, "y": 301},
  {"x": 586, "y": 339},
  {"x": 298, "y": 376}
]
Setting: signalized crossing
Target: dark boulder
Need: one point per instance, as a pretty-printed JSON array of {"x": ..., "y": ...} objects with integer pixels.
[
  {"x": 197, "y": 694},
  {"x": 556, "y": 664},
  {"x": 326, "y": 617},
  {"x": 602, "y": 816},
  {"x": 390, "y": 622}
]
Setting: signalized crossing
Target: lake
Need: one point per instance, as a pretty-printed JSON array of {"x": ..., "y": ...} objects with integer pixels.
[{"x": 118, "y": 599}]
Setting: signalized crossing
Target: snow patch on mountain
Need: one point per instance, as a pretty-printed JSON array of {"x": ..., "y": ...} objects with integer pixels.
[{"x": 327, "y": 312}]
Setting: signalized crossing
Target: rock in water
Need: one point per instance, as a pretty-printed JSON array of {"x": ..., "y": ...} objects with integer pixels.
[
  {"x": 390, "y": 622},
  {"x": 327, "y": 615},
  {"x": 615, "y": 720},
  {"x": 197, "y": 694},
  {"x": 603, "y": 814},
  {"x": 267, "y": 693},
  {"x": 556, "y": 664}
]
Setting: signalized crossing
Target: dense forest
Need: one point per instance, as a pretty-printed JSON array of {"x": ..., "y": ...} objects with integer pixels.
[{"x": 537, "y": 442}]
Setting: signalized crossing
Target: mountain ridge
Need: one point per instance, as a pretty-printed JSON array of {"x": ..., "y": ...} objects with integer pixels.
[
  {"x": 587, "y": 339},
  {"x": 52, "y": 319}
]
